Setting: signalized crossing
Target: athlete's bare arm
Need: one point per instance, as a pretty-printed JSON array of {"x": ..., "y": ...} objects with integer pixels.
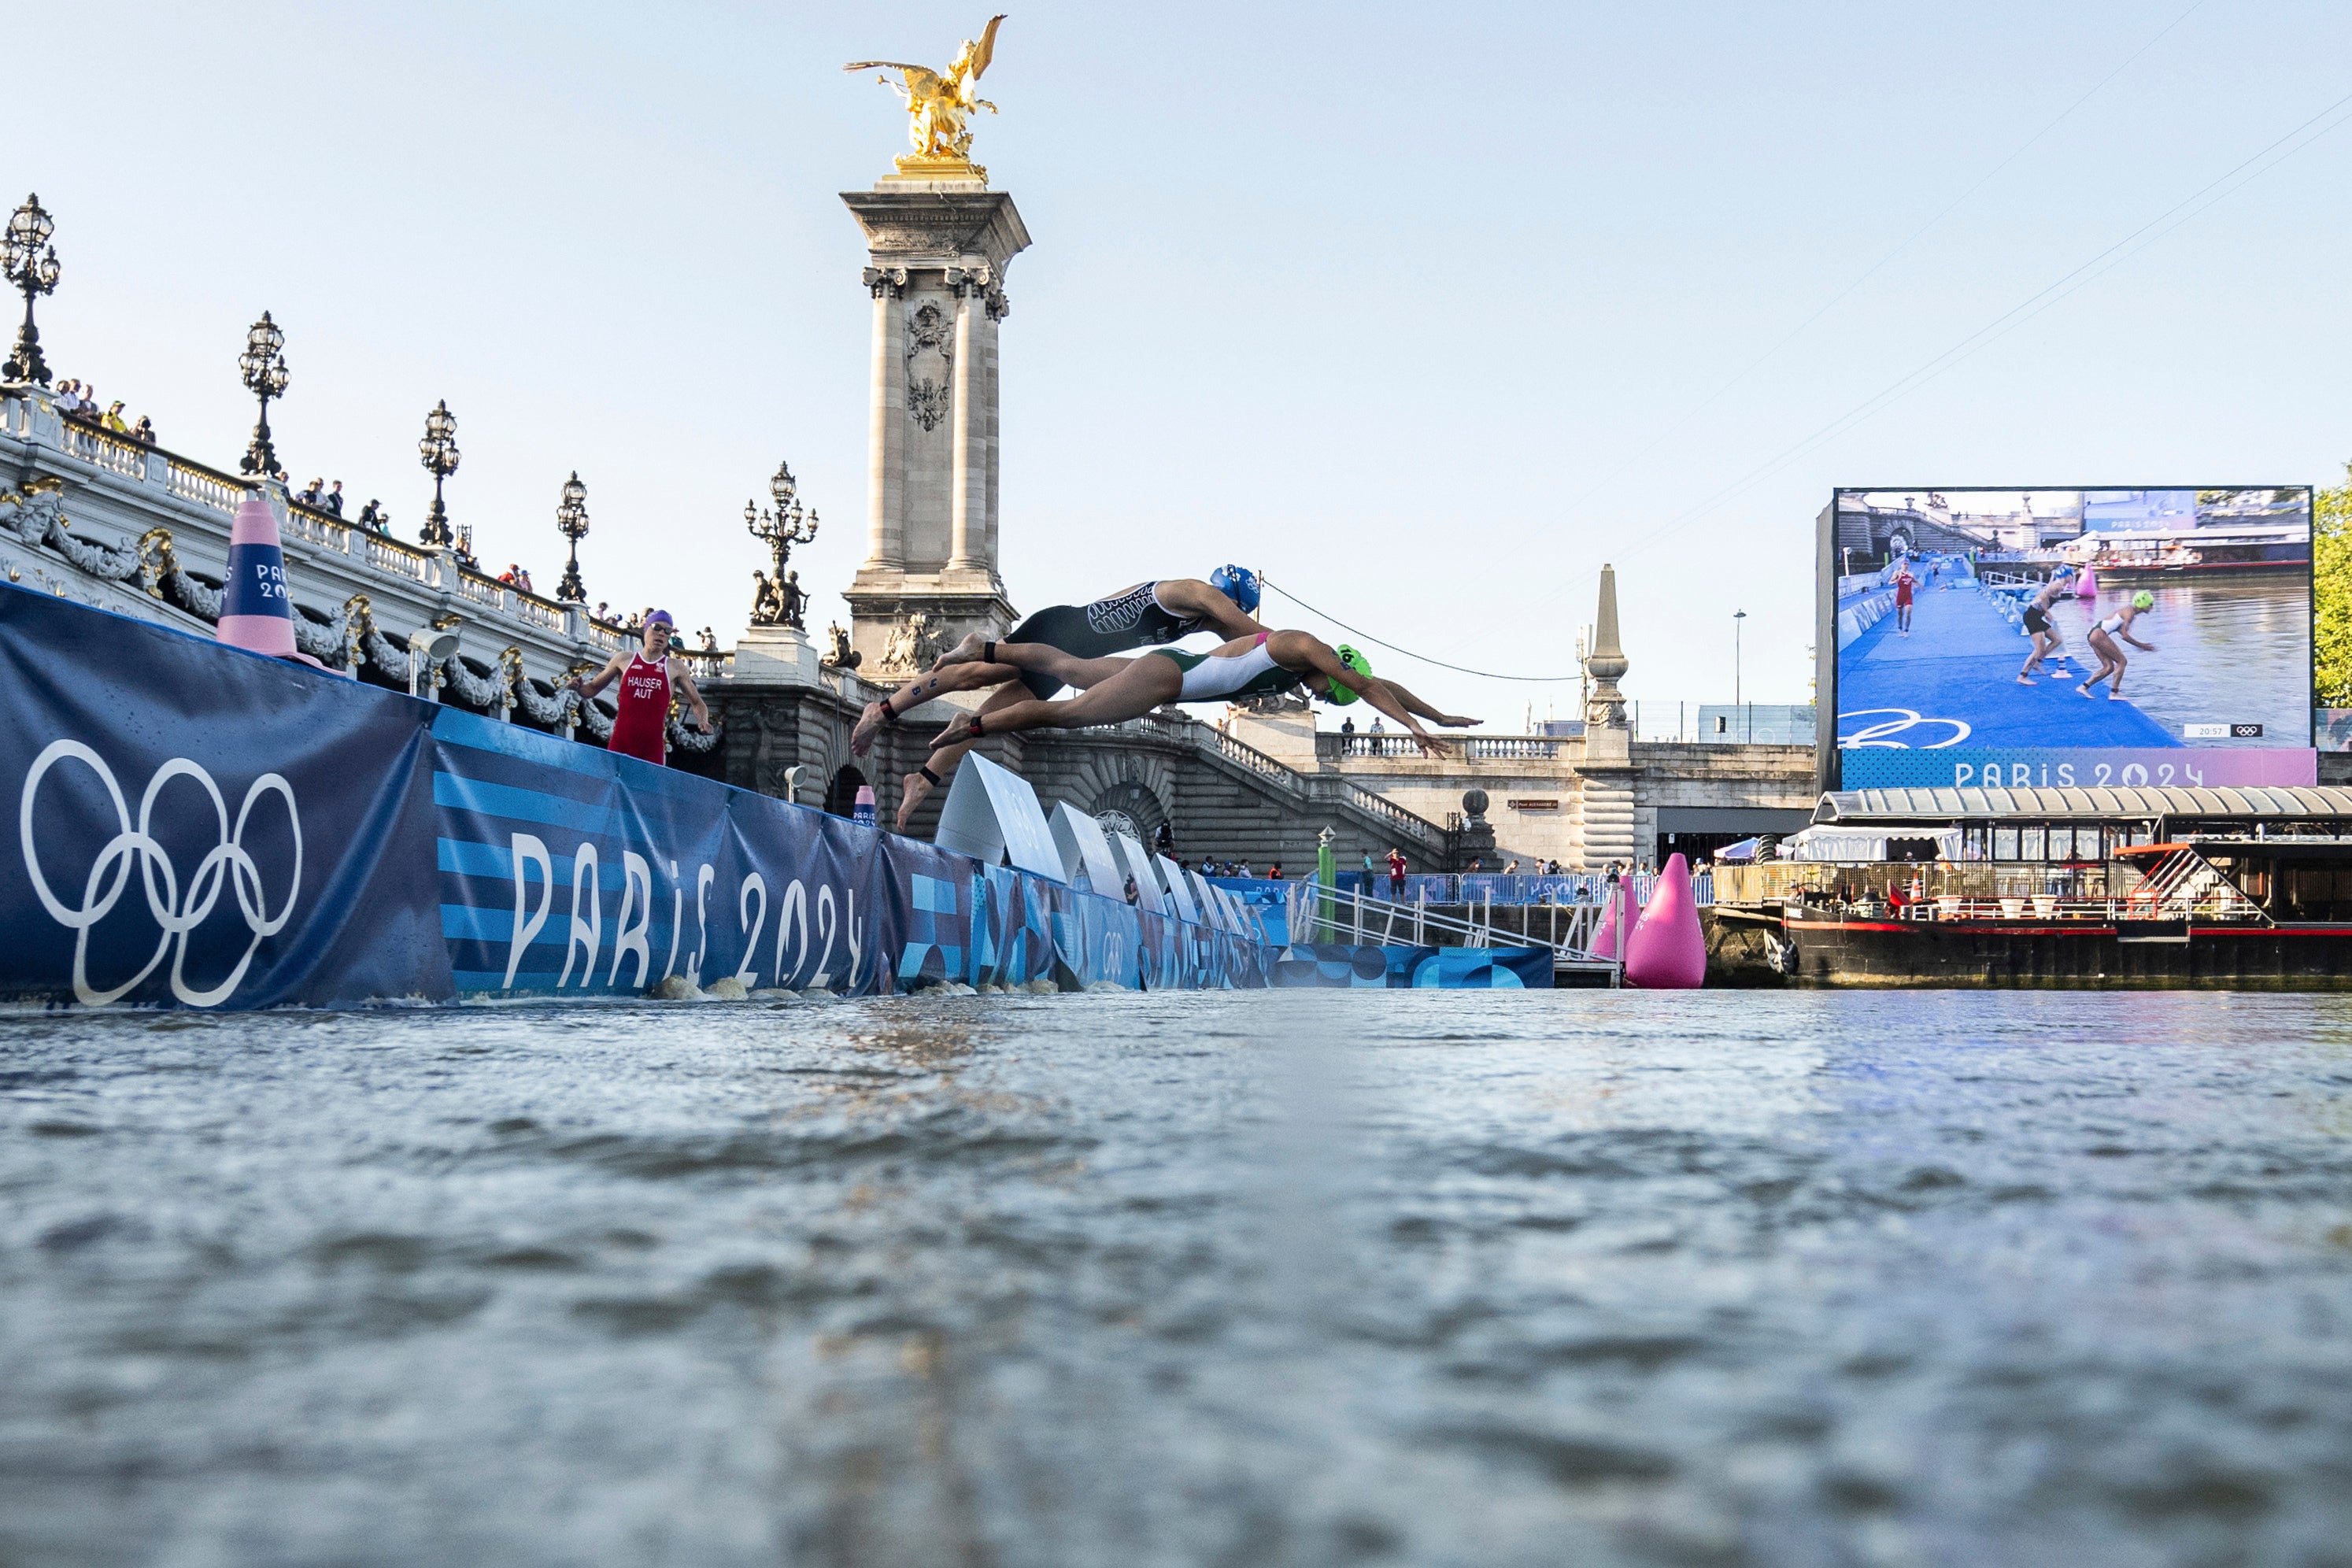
[
  {"x": 1451, "y": 721},
  {"x": 1312, "y": 657},
  {"x": 604, "y": 677},
  {"x": 683, "y": 684},
  {"x": 1190, "y": 597}
]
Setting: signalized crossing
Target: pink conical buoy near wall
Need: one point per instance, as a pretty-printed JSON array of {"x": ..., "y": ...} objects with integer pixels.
[
  {"x": 1604, "y": 945},
  {"x": 255, "y": 613},
  {"x": 1667, "y": 950},
  {"x": 2087, "y": 587}
]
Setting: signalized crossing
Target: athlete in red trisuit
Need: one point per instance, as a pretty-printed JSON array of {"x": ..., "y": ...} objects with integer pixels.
[
  {"x": 1903, "y": 583},
  {"x": 647, "y": 675}
]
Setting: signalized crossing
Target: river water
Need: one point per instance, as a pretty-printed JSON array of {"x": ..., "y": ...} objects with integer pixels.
[{"x": 1302, "y": 1277}]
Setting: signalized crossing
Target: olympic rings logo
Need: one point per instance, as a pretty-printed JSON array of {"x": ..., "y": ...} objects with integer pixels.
[
  {"x": 1906, "y": 720},
  {"x": 178, "y": 910}
]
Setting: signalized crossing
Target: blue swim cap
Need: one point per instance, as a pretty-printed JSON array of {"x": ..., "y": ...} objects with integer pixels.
[{"x": 1238, "y": 584}]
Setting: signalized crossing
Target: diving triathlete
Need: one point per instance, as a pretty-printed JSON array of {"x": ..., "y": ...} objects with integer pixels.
[
  {"x": 2111, "y": 658},
  {"x": 2047, "y": 639},
  {"x": 1120, "y": 689},
  {"x": 1140, "y": 616}
]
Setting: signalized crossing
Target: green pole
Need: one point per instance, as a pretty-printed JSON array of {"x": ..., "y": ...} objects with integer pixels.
[{"x": 1327, "y": 877}]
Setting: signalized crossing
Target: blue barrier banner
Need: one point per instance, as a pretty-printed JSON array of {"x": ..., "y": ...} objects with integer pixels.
[
  {"x": 205, "y": 827},
  {"x": 1339, "y": 966},
  {"x": 211, "y": 828}
]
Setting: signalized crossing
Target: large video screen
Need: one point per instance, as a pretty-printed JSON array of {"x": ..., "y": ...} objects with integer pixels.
[{"x": 2061, "y": 638}]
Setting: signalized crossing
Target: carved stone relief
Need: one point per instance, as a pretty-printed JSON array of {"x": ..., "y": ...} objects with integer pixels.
[{"x": 928, "y": 332}]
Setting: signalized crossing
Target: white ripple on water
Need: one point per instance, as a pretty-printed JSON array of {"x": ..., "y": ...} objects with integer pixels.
[{"x": 1787, "y": 1278}]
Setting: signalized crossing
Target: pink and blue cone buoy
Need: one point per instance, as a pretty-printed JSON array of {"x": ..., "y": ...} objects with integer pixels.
[
  {"x": 255, "y": 613},
  {"x": 1667, "y": 950}
]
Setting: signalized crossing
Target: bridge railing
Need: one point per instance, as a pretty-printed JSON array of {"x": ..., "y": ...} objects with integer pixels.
[{"x": 1314, "y": 913}]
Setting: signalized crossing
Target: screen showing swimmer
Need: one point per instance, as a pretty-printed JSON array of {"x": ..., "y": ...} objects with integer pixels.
[{"x": 2070, "y": 638}]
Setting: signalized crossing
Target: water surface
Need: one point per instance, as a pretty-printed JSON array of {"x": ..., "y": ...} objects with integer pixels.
[{"x": 1312, "y": 1278}]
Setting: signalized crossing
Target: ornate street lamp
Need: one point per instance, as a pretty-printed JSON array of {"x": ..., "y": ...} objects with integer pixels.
[
  {"x": 438, "y": 452},
  {"x": 571, "y": 522},
  {"x": 774, "y": 602},
  {"x": 263, "y": 366},
  {"x": 31, "y": 264}
]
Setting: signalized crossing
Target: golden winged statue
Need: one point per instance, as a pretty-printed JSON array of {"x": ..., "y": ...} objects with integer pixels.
[{"x": 939, "y": 102}]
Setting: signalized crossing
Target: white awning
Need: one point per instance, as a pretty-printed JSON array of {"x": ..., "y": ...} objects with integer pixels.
[{"x": 1872, "y": 807}]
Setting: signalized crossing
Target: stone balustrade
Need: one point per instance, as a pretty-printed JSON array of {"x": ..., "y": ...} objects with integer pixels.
[{"x": 357, "y": 593}]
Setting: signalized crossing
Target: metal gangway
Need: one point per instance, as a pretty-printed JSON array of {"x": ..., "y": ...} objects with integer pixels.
[{"x": 1319, "y": 914}]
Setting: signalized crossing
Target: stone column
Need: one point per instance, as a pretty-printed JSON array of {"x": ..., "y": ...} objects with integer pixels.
[
  {"x": 968, "y": 518},
  {"x": 885, "y": 523},
  {"x": 998, "y": 309}
]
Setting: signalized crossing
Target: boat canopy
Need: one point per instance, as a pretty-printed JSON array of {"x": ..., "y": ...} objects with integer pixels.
[{"x": 1872, "y": 807}]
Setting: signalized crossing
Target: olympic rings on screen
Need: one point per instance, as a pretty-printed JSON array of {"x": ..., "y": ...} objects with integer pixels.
[
  {"x": 176, "y": 910},
  {"x": 1907, "y": 719}
]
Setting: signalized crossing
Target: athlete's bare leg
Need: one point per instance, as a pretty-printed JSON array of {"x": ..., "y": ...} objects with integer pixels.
[
  {"x": 1132, "y": 692},
  {"x": 1043, "y": 659},
  {"x": 916, "y": 692},
  {"x": 945, "y": 761}
]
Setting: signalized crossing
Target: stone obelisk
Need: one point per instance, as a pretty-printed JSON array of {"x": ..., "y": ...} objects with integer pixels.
[
  {"x": 1604, "y": 827},
  {"x": 938, "y": 241}
]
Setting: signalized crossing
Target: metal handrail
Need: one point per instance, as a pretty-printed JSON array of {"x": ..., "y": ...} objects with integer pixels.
[{"x": 1299, "y": 913}]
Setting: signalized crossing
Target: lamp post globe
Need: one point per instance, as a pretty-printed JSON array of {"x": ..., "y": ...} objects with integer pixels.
[
  {"x": 775, "y": 604},
  {"x": 30, "y": 263},
  {"x": 571, "y": 522},
  {"x": 438, "y": 452},
  {"x": 262, "y": 368}
]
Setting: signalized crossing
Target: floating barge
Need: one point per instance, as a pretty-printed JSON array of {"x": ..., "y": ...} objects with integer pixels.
[{"x": 2163, "y": 888}]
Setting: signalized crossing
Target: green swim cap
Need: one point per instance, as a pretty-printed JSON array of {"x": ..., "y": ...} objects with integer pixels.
[
  {"x": 2143, "y": 601},
  {"x": 1349, "y": 659}
]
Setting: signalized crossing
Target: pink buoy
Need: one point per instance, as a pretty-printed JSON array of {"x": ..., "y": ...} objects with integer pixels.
[
  {"x": 2087, "y": 587},
  {"x": 1667, "y": 950},
  {"x": 255, "y": 613},
  {"x": 1626, "y": 910}
]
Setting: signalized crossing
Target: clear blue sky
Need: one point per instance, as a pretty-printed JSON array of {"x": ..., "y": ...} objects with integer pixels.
[{"x": 1424, "y": 310}]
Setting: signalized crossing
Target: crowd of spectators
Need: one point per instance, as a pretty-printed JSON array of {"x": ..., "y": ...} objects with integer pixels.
[{"x": 81, "y": 401}]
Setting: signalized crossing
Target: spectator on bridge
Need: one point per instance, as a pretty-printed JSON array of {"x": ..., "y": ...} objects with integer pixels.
[
  {"x": 709, "y": 640},
  {"x": 334, "y": 500},
  {"x": 314, "y": 494},
  {"x": 114, "y": 420},
  {"x": 1348, "y": 725},
  {"x": 603, "y": 610},
  {"x": 1396, "y": 874},
  {"x": 1378, "y": 728},
  {"x": 144, "y": 432},
  {"x": 372, "y": 517},
  {"x": 522, "y": 580}
]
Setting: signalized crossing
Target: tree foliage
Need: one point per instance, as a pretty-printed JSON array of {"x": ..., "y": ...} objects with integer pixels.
[{"x": 2331, "y": 593}]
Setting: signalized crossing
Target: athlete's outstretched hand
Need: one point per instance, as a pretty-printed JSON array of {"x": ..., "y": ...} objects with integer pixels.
[
  {"x": 1455, "y": 720},
  {"x": 1431, "y": 745}
]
